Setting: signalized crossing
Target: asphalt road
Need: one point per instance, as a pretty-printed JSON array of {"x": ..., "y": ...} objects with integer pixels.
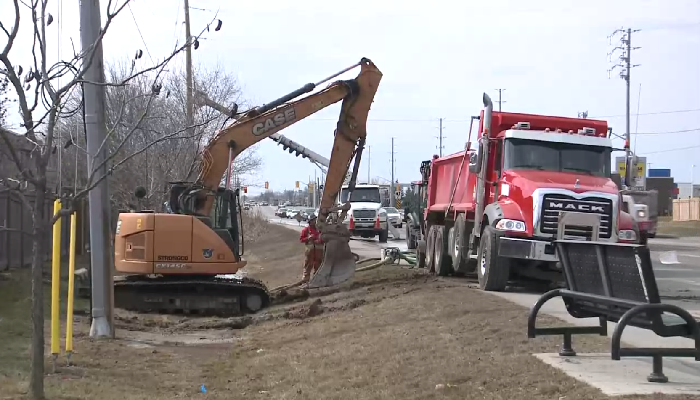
[{"x": 676, "y": 262}]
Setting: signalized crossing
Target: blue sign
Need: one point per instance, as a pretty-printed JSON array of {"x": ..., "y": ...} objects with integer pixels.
[{"x": 660, "y": 173}]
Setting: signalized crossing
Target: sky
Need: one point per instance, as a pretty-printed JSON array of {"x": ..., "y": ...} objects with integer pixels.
[{"x": 437, "y": 57}]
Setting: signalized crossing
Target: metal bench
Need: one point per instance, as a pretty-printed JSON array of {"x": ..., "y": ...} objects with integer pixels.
[{"x": 616, "y": 283}]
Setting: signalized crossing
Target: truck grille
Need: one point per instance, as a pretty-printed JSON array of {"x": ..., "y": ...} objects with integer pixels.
[
  {"x": 362, "y": 214},
  {"x": 552, "y": 204}
]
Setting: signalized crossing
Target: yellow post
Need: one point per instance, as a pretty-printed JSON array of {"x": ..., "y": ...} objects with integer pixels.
[
  {"x": 71, "y": 286},
  {"x": 56, "y": 283}
]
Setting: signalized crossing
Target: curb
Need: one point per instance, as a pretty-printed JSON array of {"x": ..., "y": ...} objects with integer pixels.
[{"x": 665, "y": 236}]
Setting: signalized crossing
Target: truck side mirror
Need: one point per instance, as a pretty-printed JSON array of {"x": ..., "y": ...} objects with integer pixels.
[{"x": 474, "y": 162}]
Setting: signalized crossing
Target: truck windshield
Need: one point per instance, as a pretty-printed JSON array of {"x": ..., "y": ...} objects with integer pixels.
[
  {"x": 554, "y": 156},
  {"x": 369, "y": 195}
]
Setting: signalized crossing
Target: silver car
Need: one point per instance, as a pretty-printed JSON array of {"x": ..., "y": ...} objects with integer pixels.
[{"x": 394, "y": 217}]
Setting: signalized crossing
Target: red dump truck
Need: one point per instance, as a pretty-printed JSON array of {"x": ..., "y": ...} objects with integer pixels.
[{"x": 495, "y": 209}]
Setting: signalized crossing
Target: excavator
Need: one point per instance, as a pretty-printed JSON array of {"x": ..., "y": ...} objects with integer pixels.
[{"x": 185, "y": 260}]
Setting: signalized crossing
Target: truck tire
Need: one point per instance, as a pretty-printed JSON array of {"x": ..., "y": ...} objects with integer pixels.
[
  {"x": 443, "y": 261},
  {"x": 420, "y": 253},
  {"x": 410, "y": 238},
  {"x": 458, "y": 246},
  {"x": 430, "y": 250},
  {"x": 493, "y": 270},
  {"x": 643, "y": 238},
  {"x": 384, "y": 236}
]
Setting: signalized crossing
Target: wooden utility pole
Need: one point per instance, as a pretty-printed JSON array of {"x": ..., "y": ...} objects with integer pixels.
[
  {"x": 188, "y": 71},
  {"x": 500, "y": 100}
]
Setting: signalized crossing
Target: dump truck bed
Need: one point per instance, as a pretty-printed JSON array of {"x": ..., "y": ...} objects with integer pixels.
[{"x": 451, "y": 174}]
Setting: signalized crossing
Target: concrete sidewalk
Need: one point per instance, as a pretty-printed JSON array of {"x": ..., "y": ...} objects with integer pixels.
[{"x": 628, "y": 375}]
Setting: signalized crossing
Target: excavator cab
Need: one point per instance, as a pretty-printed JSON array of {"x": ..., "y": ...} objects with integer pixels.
[
  {"x": 226, "y": 219},
  {"x": 225, "y": 215}
]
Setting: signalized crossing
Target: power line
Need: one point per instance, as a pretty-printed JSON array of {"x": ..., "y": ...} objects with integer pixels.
[
  {"x": 649, "y": 113},
  {"x": 467, "y": 120},
  {"x": 138, "y": 29},
  {"x": 672, "y": 150},
  {"x": 668, "y": 132}
]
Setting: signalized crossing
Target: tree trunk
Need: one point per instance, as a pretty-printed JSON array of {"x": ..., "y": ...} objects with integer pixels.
[{"x": 36, "y": 386}]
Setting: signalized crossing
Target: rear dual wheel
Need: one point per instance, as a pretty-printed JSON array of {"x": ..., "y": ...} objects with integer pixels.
[{"x": 438, "y": 259}]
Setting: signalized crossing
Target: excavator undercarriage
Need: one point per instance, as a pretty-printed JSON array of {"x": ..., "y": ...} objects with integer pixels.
[{"x": 221, "y": 295}]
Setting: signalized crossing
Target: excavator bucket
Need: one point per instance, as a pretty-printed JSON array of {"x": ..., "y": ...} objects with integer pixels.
[{"x": 338, "y": 260}]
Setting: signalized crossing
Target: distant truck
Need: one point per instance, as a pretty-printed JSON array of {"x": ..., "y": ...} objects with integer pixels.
[
  {"x": 647, "y": 217},
  {"x": 495, "y": 210},
  {"x": 366, "y": 217}
]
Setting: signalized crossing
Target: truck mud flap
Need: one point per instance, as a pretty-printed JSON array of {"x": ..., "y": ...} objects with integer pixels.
[{"x": 395, "y": 232}]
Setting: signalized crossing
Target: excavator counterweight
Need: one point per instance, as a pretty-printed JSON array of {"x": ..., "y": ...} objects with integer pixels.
[{"x": 187, "y": 259}]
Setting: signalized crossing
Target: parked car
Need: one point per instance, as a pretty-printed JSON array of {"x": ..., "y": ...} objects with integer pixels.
[
  {"x": 394, "y": 217},
  {"x": 292, "y": 212},
  {"x": 306, "y": 213}
]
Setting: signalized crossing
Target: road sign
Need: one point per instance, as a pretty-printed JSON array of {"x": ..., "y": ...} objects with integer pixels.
[{"x": 638, "y": 178}]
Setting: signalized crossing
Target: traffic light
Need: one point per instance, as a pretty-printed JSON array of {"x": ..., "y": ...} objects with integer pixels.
[
  {"x": 297, "y": 185},
  {"x": 245, "y": 189},
  {"x": 311, "y": 187},
  {"x": 267, "y": 185}
]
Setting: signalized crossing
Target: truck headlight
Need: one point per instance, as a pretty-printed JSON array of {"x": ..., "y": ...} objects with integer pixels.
[
  {"x": 510, "y": 225},
  {"x": 641, "y": 214},
  {"x": 627, "y": 234}
]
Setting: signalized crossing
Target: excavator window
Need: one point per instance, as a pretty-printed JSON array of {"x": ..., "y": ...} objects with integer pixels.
[{"x": 224, "y": 219}]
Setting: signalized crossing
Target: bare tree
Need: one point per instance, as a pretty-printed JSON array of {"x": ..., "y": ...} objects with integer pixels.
[
  {"x": 175, "y": 159},
  {"x": 4, "y": 83},
  {"x": 42, "y": 102}
]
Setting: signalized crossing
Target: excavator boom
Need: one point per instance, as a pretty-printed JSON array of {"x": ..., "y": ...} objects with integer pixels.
[{"x": 262, "y": 122}]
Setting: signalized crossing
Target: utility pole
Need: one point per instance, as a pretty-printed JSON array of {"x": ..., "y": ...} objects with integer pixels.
[
  {"x": 499, "y": 98},
  {"x": 188, "y": 72},
  {"x": 98, "y": 198},
  {"x": 625, "y": 63},
  {"x": 440, "y": 137},
  {"x": 369, "y": 163},
  {"x": 391, "y": 190}
]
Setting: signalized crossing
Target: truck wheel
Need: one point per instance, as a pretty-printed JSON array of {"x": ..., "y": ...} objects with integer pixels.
[
  {"x": 430, "y": 250},
  {"x": 493, "y": 270},
  {"x": 383, "y": 236},
  {"x": 458, "y": 245},
  {"x": 410, "y": 238},
  {"x": 443, "y": 261},
  {"x": 643, "y": 238},
  {"x": 420, "y": 253}
]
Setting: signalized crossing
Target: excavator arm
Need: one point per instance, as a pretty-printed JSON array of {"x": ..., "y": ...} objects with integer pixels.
[{"x": 262, "y": 122}]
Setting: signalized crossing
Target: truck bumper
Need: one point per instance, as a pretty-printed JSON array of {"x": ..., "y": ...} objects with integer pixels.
[
  {"x": 367, "y": 229},
  {"x": 526, "y": 249}
]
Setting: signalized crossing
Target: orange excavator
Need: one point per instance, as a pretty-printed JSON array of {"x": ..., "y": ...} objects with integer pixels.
[{"x": 186, "y": 260}]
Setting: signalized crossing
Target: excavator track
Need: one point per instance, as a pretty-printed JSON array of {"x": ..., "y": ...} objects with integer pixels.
[{"x": 220, "y": 295}]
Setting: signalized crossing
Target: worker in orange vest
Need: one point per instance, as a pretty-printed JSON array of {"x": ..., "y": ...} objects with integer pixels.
[{"x": 311, "y": 237}]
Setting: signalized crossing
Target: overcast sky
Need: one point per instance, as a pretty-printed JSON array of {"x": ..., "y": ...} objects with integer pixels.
[{"x": 437, "y": 58}]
